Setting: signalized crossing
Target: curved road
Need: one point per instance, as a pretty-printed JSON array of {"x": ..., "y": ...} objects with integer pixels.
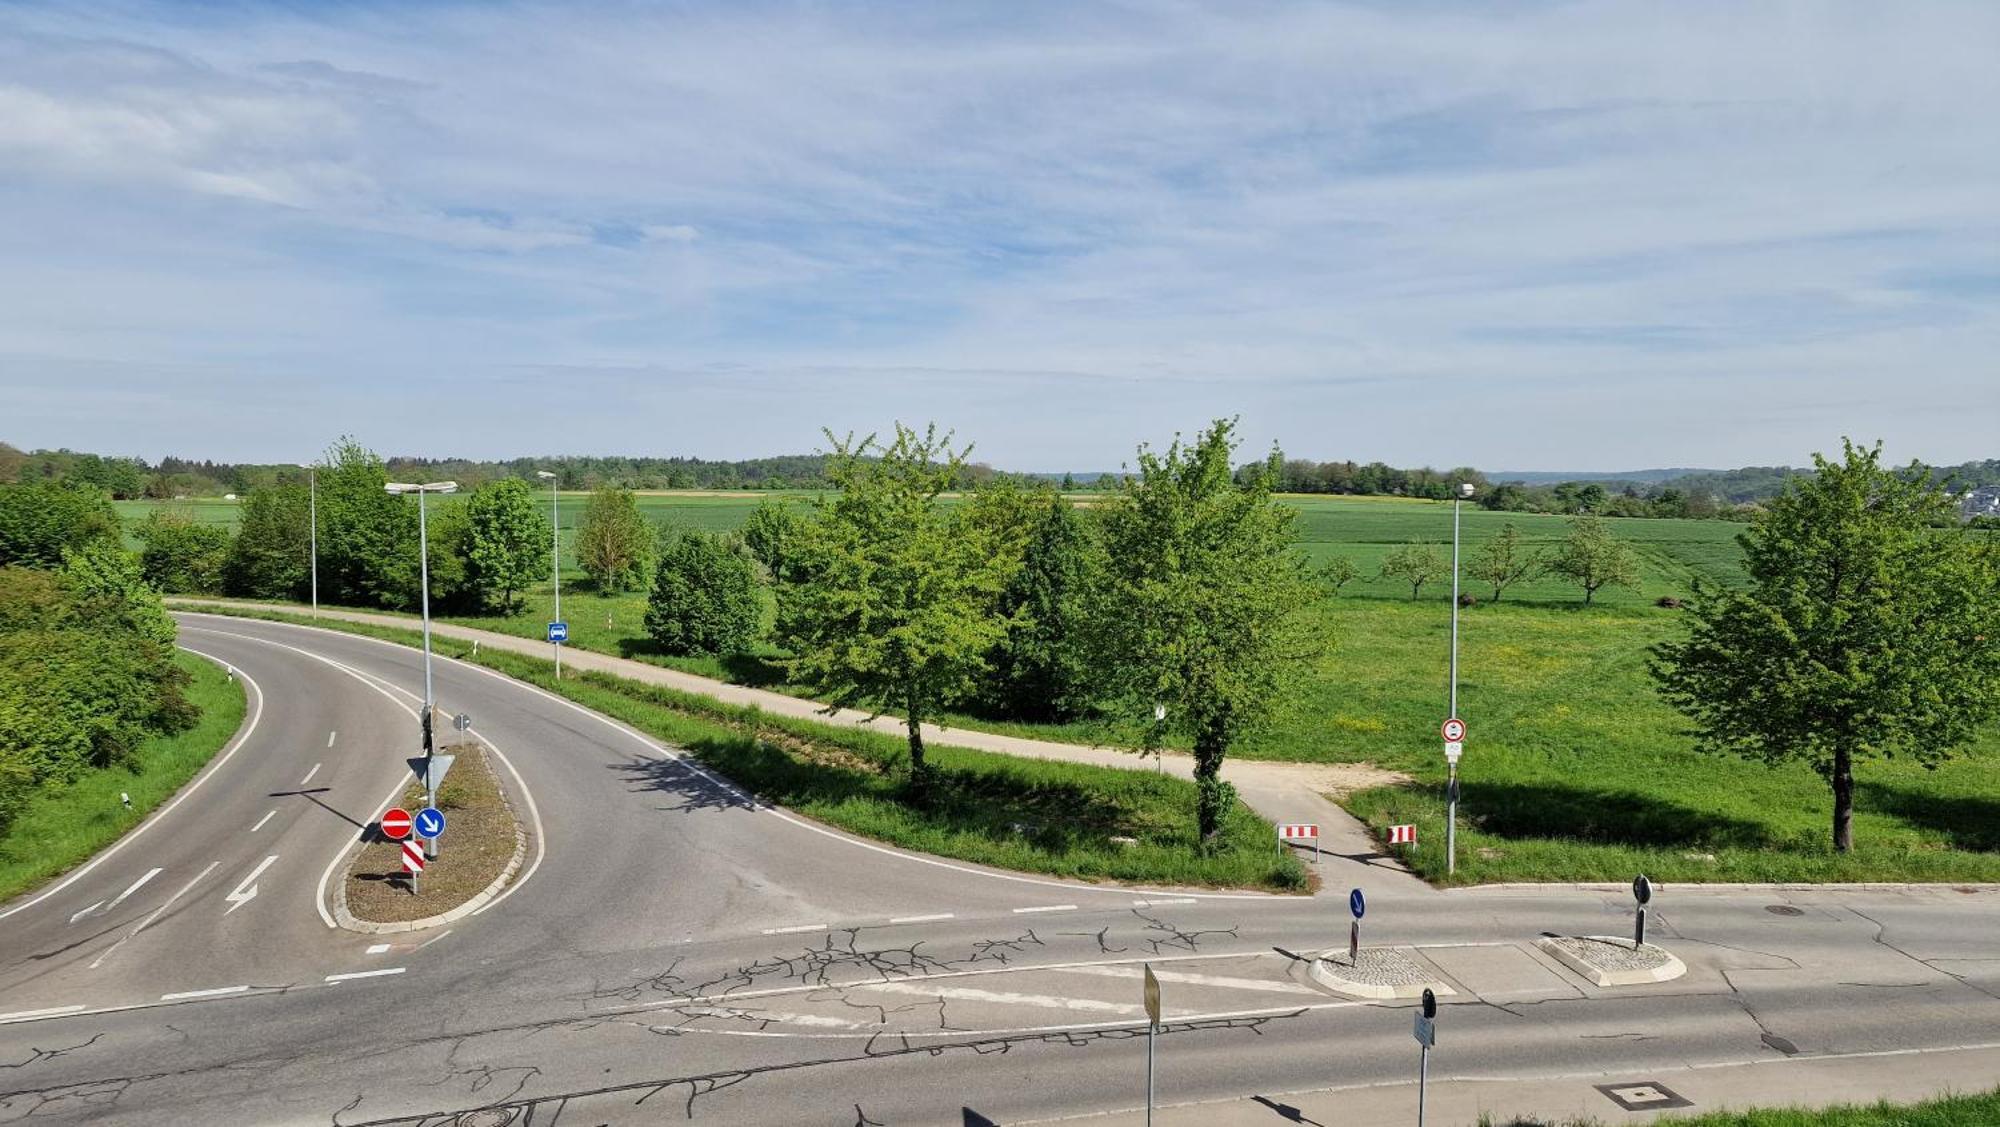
[{"x": 677, "y": 952}]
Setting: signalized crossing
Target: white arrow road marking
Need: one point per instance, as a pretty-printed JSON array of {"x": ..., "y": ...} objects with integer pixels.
[
  {"x": 99, "y": 960},
  {"x": 241, "y": 897},
  {"x": 310, "y": 774},
  {"x": 120, "y": 898},
  {"x": 971, "y": 994},
  {"x": 262, "y": 820},
  {"x": 85, "y": 912}
]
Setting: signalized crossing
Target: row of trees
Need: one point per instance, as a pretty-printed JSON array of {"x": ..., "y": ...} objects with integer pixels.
[{"x": 1590, "y": 557}]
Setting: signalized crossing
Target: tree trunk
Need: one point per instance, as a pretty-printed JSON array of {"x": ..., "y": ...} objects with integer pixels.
[
  {"x": 919, "y": 770},
  {"x": 1210, "y": 796},
  {"x": 1843, "y": 801},
  {"x": 1589, "y": 593}
]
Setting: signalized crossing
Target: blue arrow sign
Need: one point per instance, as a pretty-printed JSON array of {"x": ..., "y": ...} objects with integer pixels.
[
  {"x": 430, "y": 822},
  {"x": 1355, "y": 903},
  {"x": 558, "y": 631}
]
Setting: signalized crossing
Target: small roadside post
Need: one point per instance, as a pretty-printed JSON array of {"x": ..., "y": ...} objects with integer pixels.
[
  {"x": 1357, "y": 904},
  {"x": 1152, "y": 1031},
  {"x": 1453, "y": 731},
  {"x": 1642, "y": 891},
  {"x": 1426, "y": 1035}
]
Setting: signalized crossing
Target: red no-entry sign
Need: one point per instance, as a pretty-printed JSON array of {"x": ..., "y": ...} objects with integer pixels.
[{"x": 396, "y": 824}]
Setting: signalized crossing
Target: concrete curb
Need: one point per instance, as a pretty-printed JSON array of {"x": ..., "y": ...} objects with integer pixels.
[
  {"x": 1673, "y": 968},
  {"x": 485, "y": 896},
  {"x": 1327, "y": 973},
  {"x": 1729, "y": 886}
]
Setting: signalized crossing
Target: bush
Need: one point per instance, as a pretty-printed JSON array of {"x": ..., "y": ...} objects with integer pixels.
[
  {"x": 180, "y": 556},
  {"x": 1669, "y": 602},
  {"x": 704, "y": 598},
  {"x": 41, "y": 520},
  {"x": 271, "y": 557}
]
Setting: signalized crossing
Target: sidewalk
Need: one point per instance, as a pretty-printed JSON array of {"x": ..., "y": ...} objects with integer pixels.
[{"x": 1281, "y": 792}]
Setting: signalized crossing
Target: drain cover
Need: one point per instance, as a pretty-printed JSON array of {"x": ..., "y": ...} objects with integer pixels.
[
  {"x": 485, "y": 1117},
  {"x": 1784, "y": 910}
]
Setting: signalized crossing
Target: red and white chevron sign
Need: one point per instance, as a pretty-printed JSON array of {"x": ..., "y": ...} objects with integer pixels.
[
  {"x": 413, "y": 857},
  {"x": 1298, "y": 832},
  {"x": 1402, "y": 835}
]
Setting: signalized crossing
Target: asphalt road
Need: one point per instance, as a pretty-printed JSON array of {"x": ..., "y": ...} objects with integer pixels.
[{"x": 676, "y": 952}]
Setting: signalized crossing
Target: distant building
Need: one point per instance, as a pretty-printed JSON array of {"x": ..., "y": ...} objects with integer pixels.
[{"x": 1982, "y": 502}]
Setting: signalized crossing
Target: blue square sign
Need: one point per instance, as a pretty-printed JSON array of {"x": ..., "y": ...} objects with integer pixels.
[{"x": 558, "y": 632}]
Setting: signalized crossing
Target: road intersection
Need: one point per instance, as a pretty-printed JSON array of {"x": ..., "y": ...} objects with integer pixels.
[{"x": 676, "y": 950}]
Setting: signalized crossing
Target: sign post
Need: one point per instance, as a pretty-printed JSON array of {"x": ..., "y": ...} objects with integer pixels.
[
  {"x": 1152, "y": 1031},
  {"x": 1642, "y": 891},
  {"x": 1358, "y": 905},
  {"x": 1453, "y": 731},
  {"x": 1426, "y": 1035}
]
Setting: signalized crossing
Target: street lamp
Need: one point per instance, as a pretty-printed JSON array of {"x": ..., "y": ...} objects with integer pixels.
[
  {"x": 1451, "y": 786},
  {"x": 555, "y": 561},
  {"x": 424, "y": 568},
  {"x": 312, "y": 497}
]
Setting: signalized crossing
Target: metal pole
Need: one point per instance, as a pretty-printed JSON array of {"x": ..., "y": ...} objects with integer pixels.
[
  {"x": 1451, "y": 708},
  {"x": 555, "y": 562},
  {"x": 312, "y": 500},
  {"x": 424, "y": 566},
  {"x": 1152, "y": 1030},
  {"x": 1423, "y": 1080}
]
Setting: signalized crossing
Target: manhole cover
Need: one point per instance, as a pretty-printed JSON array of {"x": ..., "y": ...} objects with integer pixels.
[
  {"x": 1784, "y": 910},
  {"x": 485, "y": 1117},
  {"x": 1644, "y": 1095}
]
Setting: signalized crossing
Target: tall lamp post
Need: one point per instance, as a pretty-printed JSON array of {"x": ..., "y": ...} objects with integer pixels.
[
  {"x": 555, "y": 559},
  {"x": 424, "y": 568},
  {"x": 1463, "y": 491},
  {"x": 312, "y": 500}
]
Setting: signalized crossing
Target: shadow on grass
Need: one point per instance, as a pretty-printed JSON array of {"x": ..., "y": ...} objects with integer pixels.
[
  {"x": 758, "y": 671},
  {"x": 1604, "y": 817},
  {"x": 1971, "y": 824}
]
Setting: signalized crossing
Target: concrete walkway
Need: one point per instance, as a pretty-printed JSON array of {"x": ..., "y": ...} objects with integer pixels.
[{"x": 1281, "y": 792}]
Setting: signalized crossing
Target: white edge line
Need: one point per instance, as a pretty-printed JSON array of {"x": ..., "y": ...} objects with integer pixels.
[
  {"x": 214, "y": 767},
  {"x": 921, "y": 919},
  {"x": 218, "y": 992},
  {"x": 31, "y": 1015},
  {"x": 1046, "y": 908},
  {"x": 351, "y": 975},
  {"x": 795, "y": 930}
]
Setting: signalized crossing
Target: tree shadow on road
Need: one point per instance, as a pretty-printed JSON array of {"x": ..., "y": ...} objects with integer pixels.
[{"x": 687, "y": 788}]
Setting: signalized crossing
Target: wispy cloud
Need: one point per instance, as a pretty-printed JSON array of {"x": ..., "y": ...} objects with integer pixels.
[{"x": 1531, "y": 235}]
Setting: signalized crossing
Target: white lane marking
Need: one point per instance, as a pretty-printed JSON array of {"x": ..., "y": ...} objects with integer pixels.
[
  {"x": 99, "y": 960},
  {"x": 30, "y": 1015},
  {"x": 364, "y": 974},
  {"x": 214, "y": 768},
  {"x": 215, "y": 993},
  {"x": 379, "y": 948},
  {"x": 241, "y": 897},
  {"x": 329, "y": 738},
  {"x": 262, "y": 820},
  {"x": 664, "y": 752},
  {"x": 1224, "y": 980},
  {"x": 433, "y": 939},
  {"x": 135, "y": 886},
  {"x": 1004, "y": 997},
  {"x": 310, "y": 774},
  {"x": 794, "y": 930},
  {"x": 1046, "y": 908},
  {"x": 1162, "y": 903},
  {"x": 85, "y": 912},
  {"x": 921, "y": 919},
  {"x": 772, "y": 1015}
]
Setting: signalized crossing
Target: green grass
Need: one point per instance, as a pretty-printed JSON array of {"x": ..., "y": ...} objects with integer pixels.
[
  {"x": 1025, "y": 815},
  {"x": 61, "y": 828},
  {"x": 1948, "y": 1111}
]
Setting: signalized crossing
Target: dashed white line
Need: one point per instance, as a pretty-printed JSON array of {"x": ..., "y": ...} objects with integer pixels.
[
  {"x": 95, "y": 963},
  {"x": 379, "y": 948},
  {"x": 310, "y": 774},
  {"x": 218, "y": 992},
  {"x": 329, "y": 739},
  {"x": 1005, "y": 997},
  {"x": 30, "y": 1015},
  {"x": 921, "y": 919},
  {"x": 262, "y": 820},
  {"x": 794, "y": 930},
  {"x": 431, "y": 940},
  {"x": 351, "y": 975},
  {"x": 1163, "y": 903},
  {"x": 1046, "y": 908}
]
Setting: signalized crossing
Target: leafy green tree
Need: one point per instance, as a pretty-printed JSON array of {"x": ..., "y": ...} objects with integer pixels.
[
  {"x": 367, "y": 537},
  {"x": 271, "y": 556},
  {"x": 1201, "y": 605},
  {"x": 508, "y": 548},
  {"x": 1041, "y": 670},
  {"x": 110, "y": 588},
  {"x": 1867, "y": 631},
  {"x": 890, "y": 603},
  {"x": 1504, "y": 561},
  {"x": 704, "y": 598},
  {"x": 1592, "y": 558},
  {"x": 614, "y": 544},
  {"x": 1416, "y": 563},
  {"x": 180, "y": 556},
  {"x": 41, "y": 520},
  {"x": 1336, "y": 573},
  {"x": 770, "y": 535}
]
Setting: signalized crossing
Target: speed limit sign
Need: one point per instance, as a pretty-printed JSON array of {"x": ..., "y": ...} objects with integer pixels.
[{"x": 1454, "y": 731}]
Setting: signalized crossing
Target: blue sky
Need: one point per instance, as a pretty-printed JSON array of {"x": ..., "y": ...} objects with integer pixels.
[{"x": 1530, "y": 236}]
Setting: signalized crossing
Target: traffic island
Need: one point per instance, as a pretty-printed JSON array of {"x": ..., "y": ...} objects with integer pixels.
[
  {"x": 1608, "y": 960},
  {"x": 480, "y": 852},
  {"x": 1377, "y": 972}
]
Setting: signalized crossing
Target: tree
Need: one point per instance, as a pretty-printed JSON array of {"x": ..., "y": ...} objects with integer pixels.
[
  {"x": 367, "y": 537},
  {"x": 614, "y": 544},
  {"x": 770, "y": 534},
  {"x": 1867, "y": 631},
  {"x": 704, "y": 598},
  {"x": 1041, "y": 670},
  {"x": 1591, "y": 557},
  {"x": 1201, "y": 604},
  {"x": 271, "y": 557},
  {"x": 1338, "y": 572},
  {"x": 891, "y": 601},
  {"x": 1504, "y": 561},
  {"x": 180, "y": 556},
  {"x": 509, "y": 543},
  {"x": 42, "y": 520},
  {"x": 1415, "y": 563}
]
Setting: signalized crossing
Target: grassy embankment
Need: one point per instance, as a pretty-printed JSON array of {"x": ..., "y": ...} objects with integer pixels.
[
  {"x": 63, "y": 827},
  {"x": 1026, "y": 815},
  {"x": 1949, "y": 1111},
  {"x": 1574, "y": 769}
]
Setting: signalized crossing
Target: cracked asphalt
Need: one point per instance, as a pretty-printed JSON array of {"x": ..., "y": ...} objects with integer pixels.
[{"x": 681, "y": 953}]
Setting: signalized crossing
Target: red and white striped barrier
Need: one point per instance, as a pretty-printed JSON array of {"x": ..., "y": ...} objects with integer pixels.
[
  {"x": 1402, "y": 835},
  {"x": 1300, "y": 831},
  {"x": 413, "y": 858}
]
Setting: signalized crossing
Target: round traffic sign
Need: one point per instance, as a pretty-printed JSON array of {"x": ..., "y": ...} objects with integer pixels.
[
  {"x": 1642, "y": 889},
  {"x": 1356, "y": 904},
  {"x": 1430, "y": 1003},
  {"x": 1454, "y": 731},
  {"x": 430, "y": 822},
  {"x": 396, "y": 824}
]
